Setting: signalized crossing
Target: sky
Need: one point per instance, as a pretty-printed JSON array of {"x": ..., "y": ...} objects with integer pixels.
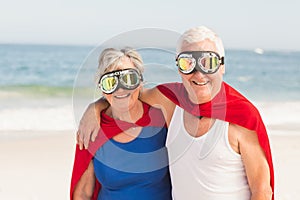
[{"x": 266, "y": 24}]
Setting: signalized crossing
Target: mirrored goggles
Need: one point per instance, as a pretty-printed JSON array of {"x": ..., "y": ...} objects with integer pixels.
[
  {"x": 128, "y": 79},
  {"x": 207, "y": 62}
]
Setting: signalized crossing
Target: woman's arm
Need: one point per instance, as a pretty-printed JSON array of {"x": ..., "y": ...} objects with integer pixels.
[{"x": 85, "y": 186}]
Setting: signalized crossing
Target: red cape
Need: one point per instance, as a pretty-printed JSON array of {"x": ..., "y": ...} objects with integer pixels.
[
  {"x": 109, "y": 128},
  {"x": 228, "y": 105}
]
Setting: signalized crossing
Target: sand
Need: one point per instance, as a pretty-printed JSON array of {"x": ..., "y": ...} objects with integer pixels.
[
  {"x": 286, "y": 159},
  {"x": 39, "y": 167}
]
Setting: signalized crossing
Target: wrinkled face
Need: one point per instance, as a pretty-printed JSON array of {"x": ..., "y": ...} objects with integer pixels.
[
  {"x": 123, "y": 100},
  {"x": 201, "y": 87}
]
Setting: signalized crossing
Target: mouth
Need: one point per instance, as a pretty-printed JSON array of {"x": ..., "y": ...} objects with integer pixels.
[
  {"x": 122, "y": 96},
  {"x": 200, "y": 83}
]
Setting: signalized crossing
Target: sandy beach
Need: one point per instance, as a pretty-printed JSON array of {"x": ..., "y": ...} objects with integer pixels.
[
  {"x": 37, "y": 167},
  {"x": 40, "y": 167},
  {"x": 286, "y": 154},
  {"x": 38, "y": 164}
]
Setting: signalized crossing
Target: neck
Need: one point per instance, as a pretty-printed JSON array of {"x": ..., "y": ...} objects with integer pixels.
[{"x": 134, "y": 113}]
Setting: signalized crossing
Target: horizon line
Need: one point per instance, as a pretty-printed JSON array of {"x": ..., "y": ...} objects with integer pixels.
[{"x": 96, "y": 45}]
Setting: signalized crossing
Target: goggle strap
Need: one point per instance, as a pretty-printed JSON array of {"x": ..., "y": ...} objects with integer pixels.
[
  {"x": 141, "y": 77},
  {"x": 222, "y": 60}
]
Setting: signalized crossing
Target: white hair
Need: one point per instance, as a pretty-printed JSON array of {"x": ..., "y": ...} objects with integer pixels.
[
  {"x": 110, "y": 59},
  {"x": 199, "y": 34}
]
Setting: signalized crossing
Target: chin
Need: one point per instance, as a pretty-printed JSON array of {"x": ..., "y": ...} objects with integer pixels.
[
  {"x": 200, "y": 100},
  {"x": 199, "y": 97},
  {"x": 122, "y": 108}
]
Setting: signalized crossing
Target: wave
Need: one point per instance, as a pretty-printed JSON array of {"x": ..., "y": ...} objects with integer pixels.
[
  {"x": 42, "y": 108},
  {"x": 37, "y": 118},
  {"x": 35, "y": 90}
]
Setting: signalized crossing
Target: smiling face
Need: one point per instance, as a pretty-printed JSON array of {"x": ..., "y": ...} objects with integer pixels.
[
  {"x": 201, "y": 87},
  {"x": 123, "y": 100}
]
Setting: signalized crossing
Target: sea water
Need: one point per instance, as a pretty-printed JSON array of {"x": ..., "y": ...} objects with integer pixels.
[{"x": 47, "y": 87}]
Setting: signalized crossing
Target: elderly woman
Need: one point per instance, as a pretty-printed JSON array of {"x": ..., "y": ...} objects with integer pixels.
[{"x": 128, "y": 160}]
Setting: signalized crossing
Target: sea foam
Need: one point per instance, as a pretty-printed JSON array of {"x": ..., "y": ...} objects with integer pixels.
[{"x": 37, "y": 118}]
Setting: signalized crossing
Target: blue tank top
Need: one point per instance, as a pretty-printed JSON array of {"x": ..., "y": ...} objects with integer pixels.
[{"x": 135, "y": 170}]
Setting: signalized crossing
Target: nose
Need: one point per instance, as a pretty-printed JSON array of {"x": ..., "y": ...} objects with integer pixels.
[
  {"x": 198, "y": 73},
  {"x": 120, "y": 89}
]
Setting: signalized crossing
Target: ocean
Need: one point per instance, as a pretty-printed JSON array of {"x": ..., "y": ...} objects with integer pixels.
[{"x": 47, "y": 87}]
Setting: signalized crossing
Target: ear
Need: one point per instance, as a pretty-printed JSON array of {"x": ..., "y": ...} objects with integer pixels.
[
  {"x": 222, "y": 69},
  {"x": 141, "y": 88}
]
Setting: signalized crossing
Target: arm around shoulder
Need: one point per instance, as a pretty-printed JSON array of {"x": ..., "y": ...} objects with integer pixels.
[
  {"x": 156, "y": 99},
  {"x": 89, "y": 124}
]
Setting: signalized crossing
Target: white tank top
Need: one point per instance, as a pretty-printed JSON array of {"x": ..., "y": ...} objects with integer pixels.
[{"x": 205, "y": 167}]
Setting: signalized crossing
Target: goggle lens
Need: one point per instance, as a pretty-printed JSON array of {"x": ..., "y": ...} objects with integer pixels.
[
  {"x": 108, "y": 84},
  {"x": 209, "y": 63},
  {"x": 186, "y": 64},
  {"x": 130, "y": 79}
]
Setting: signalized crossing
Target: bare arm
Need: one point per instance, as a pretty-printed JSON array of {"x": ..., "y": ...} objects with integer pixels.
[
  {"x": 85, "y": 187},
  {"x": 256, "y": 165},
  {"x": 89, "y": 124},
  {"x": 156, "y": 99}
]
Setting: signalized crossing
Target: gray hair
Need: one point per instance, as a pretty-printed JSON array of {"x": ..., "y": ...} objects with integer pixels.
[
  {"x": 199, "y": 34},
  {"x": 110, "y": 59}
]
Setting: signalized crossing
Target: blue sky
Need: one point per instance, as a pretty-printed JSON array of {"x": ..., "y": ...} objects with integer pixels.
[{"x": 251, "y": 24}]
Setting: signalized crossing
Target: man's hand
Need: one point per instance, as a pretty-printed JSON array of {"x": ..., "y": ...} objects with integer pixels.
[{"x": 88, "y": 127}]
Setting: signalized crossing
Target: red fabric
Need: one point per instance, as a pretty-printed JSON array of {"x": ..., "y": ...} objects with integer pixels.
[
  {"x": 228, "y": 105},
  {"x": 109, "y": 128}
]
